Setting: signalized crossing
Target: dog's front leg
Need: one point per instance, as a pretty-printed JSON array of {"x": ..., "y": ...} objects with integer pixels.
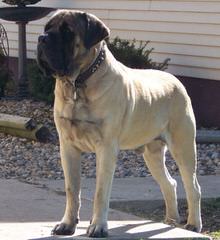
[
  {"x": 106, "y": 155},
  {"x": 71, "y": 161}
]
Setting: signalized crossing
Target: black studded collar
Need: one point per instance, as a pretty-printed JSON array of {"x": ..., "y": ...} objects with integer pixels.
[{"x": 81, "y": 79}]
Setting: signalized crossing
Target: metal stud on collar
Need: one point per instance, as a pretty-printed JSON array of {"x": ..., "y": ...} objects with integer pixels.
[{"x": 81, "y": 79}]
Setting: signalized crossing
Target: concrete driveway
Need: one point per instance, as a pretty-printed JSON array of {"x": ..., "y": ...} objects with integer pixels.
[{"x": 29, "y": 211}]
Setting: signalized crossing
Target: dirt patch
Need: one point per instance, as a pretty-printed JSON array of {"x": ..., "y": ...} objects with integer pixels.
[{"x": 155, "y": 211}]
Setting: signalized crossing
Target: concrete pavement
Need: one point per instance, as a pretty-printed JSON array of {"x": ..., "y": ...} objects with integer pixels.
[
  {"x": 30, "y": 211},
  {"x": 140, "y": 188}
]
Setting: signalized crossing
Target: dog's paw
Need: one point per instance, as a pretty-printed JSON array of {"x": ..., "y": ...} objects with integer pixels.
[
  {"x": 172, "y": 222},
  {"x": 63, "y": 229},
  {"x": 192, "y": 228},
  {"x": 97, "y": 231}
]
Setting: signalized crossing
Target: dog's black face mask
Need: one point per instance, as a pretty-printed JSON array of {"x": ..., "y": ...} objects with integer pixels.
[
  {"x": 67, "y": 38},
  {"x": 55, "y": 51}
]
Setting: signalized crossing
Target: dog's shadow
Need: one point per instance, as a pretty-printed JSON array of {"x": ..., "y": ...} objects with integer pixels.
[{"x": 138, "y": 230}]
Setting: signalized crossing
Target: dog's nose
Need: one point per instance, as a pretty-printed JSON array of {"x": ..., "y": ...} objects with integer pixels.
[{"x": 43, "y": 38}]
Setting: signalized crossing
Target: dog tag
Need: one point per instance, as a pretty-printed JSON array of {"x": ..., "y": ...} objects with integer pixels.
[{"x": 74, "y": 96}]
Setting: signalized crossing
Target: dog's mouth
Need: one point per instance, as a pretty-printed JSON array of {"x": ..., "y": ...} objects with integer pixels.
[{"x": 52, "y": 65}]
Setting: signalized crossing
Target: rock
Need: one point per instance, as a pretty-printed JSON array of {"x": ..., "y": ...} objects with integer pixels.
[
  {"x": 217, "y": 171},
  {"x": 30, "y": 160},
  {"x": 21, "y": 163},
  {"x": 174, "y": 167},
  {"x": 210, "y": 163},
  {"x": 2, "y": 161},
  {"x": 215, "y": 155},
  {"x": 201, "y": 172},
  {"x": 209, "y": 154},
  {"x": 216, "y": 161}
]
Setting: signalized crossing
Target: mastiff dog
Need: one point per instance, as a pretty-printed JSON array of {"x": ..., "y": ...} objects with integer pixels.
[{"x": 103, "y": 106}]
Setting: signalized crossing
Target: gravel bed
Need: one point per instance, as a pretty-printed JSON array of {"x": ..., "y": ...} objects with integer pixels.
[{"x": 30, "y": 160}]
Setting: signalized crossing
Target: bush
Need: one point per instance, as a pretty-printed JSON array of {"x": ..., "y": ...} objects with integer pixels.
[
  {"x": 135, "y": 57},
  {"x": 41, "y": 87},
  {"x": 4, "y": 74},
  {"x": 3, "y": 82}
]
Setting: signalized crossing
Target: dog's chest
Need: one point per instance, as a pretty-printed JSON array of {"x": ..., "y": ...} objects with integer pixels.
[
  {"x": 70, "y": 103},
  {"x": 75, "y": 119},
  {"x": 75, "y": 110}
]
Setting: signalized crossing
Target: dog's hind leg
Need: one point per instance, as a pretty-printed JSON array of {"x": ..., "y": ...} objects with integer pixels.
[
  {"x": 155, "y": 160},
  {"x": 182, "y": 146}
]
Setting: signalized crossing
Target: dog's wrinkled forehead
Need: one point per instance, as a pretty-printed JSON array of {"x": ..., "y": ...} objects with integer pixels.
[
  {"x": 90, "y": 29},
  {"x": 72, "y": 20}
]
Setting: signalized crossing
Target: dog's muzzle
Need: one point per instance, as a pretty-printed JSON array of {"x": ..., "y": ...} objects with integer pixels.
[
  {"x": 50, "y": 57},
  {"x": 43, "y": 39}
]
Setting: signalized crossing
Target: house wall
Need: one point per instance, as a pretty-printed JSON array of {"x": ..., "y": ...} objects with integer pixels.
[{"x": 186, "y": 31}]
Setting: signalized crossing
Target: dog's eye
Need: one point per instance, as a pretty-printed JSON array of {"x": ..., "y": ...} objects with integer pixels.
[
  {"x": 64, "y": 28},
  {"x": 68, "y": 34},
  {"x": 67, "y": 30}
]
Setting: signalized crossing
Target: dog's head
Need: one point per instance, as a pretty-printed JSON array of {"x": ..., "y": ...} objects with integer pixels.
[{"x": 67, "y": 39}]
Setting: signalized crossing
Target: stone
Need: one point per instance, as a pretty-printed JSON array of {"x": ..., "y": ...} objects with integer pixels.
[
  {"x": 43, "y": 160},
  {"x": 2, "y": 161},
  {"x": 201, "y": 172},
  {"x": 217, "y": 171},
  {"x": 215, "y": 155}
]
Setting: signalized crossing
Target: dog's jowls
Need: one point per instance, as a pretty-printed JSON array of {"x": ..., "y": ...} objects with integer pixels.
[{"x": 116, "y": 108}]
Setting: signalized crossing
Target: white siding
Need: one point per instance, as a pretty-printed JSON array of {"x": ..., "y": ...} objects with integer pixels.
[{"x": 186, "y": 31}]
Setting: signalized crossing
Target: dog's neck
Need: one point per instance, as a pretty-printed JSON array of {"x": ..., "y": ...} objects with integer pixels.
[
  {"x": 91, "y": 57},
  {"x": 91, "y": 66}
]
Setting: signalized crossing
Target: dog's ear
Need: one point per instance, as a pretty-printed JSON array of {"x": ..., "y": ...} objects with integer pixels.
[{"x": 95, "y": 30}]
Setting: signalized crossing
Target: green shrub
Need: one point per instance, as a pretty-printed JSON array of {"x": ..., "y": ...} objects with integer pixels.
[
  {"x": 41, "y": 87},
  {"x": 4, "y": 74},
  {"x": 3, "y": 82},
  {"x": 135, "y": 57}
]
